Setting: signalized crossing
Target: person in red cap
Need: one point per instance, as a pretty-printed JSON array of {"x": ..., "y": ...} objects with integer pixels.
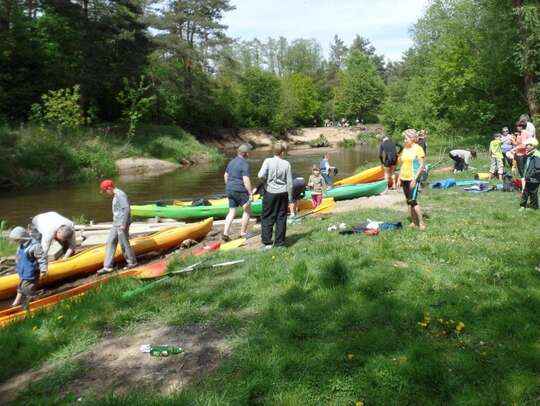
[{"x": 120, "y": 228}]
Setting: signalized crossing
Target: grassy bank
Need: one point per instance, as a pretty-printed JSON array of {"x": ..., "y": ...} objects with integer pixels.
[
  {"x": 7, "y": 247},
  {"x": 37, "y": 156},
  {"x": 446, "y": 316}
]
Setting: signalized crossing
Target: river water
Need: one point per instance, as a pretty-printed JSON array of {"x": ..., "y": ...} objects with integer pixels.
[{"x": 84, "y": 199}]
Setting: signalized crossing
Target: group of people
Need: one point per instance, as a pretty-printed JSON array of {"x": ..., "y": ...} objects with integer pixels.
[{"x": 34, "y": 245}]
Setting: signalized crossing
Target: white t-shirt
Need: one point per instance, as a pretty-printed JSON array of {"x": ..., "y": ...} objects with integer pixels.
[
  {"x": 531, "y": 129},
  {"x": 47, "y": 224}
]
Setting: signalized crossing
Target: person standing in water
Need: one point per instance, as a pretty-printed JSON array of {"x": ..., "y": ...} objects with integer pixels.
[
  {"x": 408, "y": 176},
  {"x": 239, "y": 191}
]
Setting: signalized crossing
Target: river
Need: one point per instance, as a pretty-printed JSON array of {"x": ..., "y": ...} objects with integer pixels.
[{"x": 84, "y": 199}]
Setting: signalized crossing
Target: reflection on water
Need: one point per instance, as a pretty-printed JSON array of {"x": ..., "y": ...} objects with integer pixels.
[{"x": 200, "y": 181}]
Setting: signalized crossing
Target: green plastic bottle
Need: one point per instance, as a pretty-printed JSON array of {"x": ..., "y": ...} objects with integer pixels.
[{"x": 164, "y": 350}]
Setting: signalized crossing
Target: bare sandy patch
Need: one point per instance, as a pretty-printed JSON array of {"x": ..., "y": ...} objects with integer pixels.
[{"x": 117, "y": 365}]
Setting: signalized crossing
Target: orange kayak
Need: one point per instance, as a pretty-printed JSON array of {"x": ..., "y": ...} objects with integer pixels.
[
  {"x": 90, "y": 260},
  {"x": 369, "y": 175},
  {"x": 151, "y": 270}
]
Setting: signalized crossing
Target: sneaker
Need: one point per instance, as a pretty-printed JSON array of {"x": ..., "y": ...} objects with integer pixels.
[
  {"x": 104, "y": 271},
  {"x": 226, "y": 238},
  {"x": 266, "y": 247},
  {"x": 131, "y": 266}
]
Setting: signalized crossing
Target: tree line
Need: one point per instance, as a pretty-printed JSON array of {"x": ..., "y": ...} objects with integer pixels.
[
  {"x": 102, "y": 61},
  {"x": 473, "y": 68}
]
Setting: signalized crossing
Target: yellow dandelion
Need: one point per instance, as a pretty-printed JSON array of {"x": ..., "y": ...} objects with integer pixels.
[
  {"x": 460, "y": 326},
  {"x": 359, "y": 403},
  {"x": 273, "y": 257},
  {"x": 350, "y": 356},
  {"x": 60, "y": 317},
  {"x": 34, "y": 328}
]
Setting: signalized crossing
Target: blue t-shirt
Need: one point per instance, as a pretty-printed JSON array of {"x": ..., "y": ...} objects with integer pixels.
[{"x": 236, "y": 170}]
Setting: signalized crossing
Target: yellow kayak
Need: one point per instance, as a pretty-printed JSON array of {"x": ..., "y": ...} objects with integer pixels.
[
  {"x": 369, "y": 175},
  {"x": 91, "y": 259}
]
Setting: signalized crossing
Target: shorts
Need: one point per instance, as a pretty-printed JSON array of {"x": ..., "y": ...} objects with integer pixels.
[
  {"x": 27, "y": 288},
  {"x": 237, "y": 199},
  {"x": 496, "y": 165},
  {"x": 410, "y": 193},
  {"x": 390, "y": 162}
]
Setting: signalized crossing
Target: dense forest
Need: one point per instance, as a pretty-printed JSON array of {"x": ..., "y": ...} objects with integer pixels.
[{"x": 472, "y": 68}]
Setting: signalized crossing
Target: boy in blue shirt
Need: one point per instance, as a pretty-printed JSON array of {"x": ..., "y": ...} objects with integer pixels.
[{"x": 31, "y": 261}]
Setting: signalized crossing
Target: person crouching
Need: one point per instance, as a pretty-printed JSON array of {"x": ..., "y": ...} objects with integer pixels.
[
  {"x": 529, "y": 193},
  {"x": 31, "y": 262}
]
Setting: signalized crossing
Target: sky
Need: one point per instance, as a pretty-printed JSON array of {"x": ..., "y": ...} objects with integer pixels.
[{"x": 385, "y": 23}]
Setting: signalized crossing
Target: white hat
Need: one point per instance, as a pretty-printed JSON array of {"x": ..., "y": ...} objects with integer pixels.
[{"x": 19, "y": 233}]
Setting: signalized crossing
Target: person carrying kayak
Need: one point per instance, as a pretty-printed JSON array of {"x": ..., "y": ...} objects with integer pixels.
[
  {"x": 276, "y": 174},
  {"x": 52, "y": 226},
  {"x": 119, "y": 229},
  {"x": 388, "y": 155},
  {"x": 239, "y": 191},
  {"x": 31, "y": 264},
  {"x": 408, "y": 176}
]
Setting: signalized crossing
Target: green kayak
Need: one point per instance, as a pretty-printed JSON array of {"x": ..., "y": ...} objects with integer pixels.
[
  {"x": 190, "y": 212},
  {"x": 354, "y": 191}
]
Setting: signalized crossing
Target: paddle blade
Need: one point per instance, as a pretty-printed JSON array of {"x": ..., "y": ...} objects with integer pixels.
[{"x": 231, "y": 245}]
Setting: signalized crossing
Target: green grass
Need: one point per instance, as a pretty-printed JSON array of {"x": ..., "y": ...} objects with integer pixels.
[
  {"x": 7, "y": 247},
  {"x": 336, "y": 319},
  {"x": 38, "y": 156}
]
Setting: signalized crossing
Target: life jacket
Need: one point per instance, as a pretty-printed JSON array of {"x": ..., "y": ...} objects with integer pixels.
[{"x": 27, "y": 267}]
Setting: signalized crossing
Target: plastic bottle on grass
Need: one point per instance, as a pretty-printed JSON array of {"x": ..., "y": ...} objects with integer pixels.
[{"x": 161, "y": 350}]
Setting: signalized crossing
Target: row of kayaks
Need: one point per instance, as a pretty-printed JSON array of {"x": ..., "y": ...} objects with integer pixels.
[{"x": 219, "y": 208}]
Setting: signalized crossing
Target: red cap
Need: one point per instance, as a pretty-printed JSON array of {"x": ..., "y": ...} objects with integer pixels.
[{"x": 106, "y": 185}]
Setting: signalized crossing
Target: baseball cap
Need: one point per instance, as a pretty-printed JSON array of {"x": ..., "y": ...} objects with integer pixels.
[
  {"x": 243, "y": 148},
  {"x": 106, "y": 184}
]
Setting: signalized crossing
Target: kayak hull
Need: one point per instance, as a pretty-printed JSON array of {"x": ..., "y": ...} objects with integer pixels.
[
  {"x": 369, "y": 175},
  {"x": 90, "y": 260},
  {"x": 355, "y": 191}
]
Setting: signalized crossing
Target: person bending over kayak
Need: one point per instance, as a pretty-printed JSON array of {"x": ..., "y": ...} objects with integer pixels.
[
  {"x": 52, "y": 226},
  {"x": 299, "y": 191},
  {"x": 239, "y": 193},
  {"x": 277, "y": 177},
  {"x": 31, "y": 263},
  {"x": 462, "y": 158},
  {"x": 119, "y": 229},
  {"x": 408, "y": 176},
  {"x": 388, "y": 155}
]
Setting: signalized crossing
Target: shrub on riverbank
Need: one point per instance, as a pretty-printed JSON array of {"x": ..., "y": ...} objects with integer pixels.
[{"x": 38, "y": 156}]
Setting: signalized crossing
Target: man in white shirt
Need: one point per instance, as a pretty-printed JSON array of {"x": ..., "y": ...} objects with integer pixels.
[{"x": 52, "y": 226}]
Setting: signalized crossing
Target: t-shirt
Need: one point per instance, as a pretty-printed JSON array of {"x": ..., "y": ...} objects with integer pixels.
[
  {"x": 531, "y": 129},
  {"x": 495, "y": 148},
  {"x": 277, "y": 175},
  {"x": 408, "y": 156},
  {"x": 521, "y": 148},
  {"x": 324, "y": 166},
  {"x": 236, "y": 170},
  {"x": 463, "y": 154},
  {"x": 47, "y": 224}
]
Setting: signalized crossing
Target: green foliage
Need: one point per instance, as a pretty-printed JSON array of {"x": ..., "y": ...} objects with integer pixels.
[
  {"x": 60, "y": 108},
  {"x": 259, "y": 97},
  {"x": 136, "y": 103},
  {"x": 299, "y": 103},
  {"x": 319, "y": 142},
  {"x": 360, "y": 90},
  {"x": 347, "y": 143},
  {"x": 7, "y": 247}
]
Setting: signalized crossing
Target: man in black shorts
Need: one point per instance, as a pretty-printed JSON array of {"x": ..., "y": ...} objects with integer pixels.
[
  {"x": 388, "y": 154},
  {"x": 239, "y": 191}
]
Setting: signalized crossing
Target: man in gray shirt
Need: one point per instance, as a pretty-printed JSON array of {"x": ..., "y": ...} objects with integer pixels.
[
  {"x": 278, "y": 184},
  {"x": 119, "y": 229}
]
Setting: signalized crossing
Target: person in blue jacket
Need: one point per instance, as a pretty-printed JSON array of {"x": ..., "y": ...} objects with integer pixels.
[{"x": 31, "y": 262}]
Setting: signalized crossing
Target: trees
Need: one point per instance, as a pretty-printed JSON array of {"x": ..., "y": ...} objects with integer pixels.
[
  {"x": 259, "y": 97},
  {"x": 360, "y": 90}
]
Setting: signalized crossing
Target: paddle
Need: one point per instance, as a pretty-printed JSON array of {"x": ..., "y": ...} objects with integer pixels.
[{"x": 135, "y": 292}]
